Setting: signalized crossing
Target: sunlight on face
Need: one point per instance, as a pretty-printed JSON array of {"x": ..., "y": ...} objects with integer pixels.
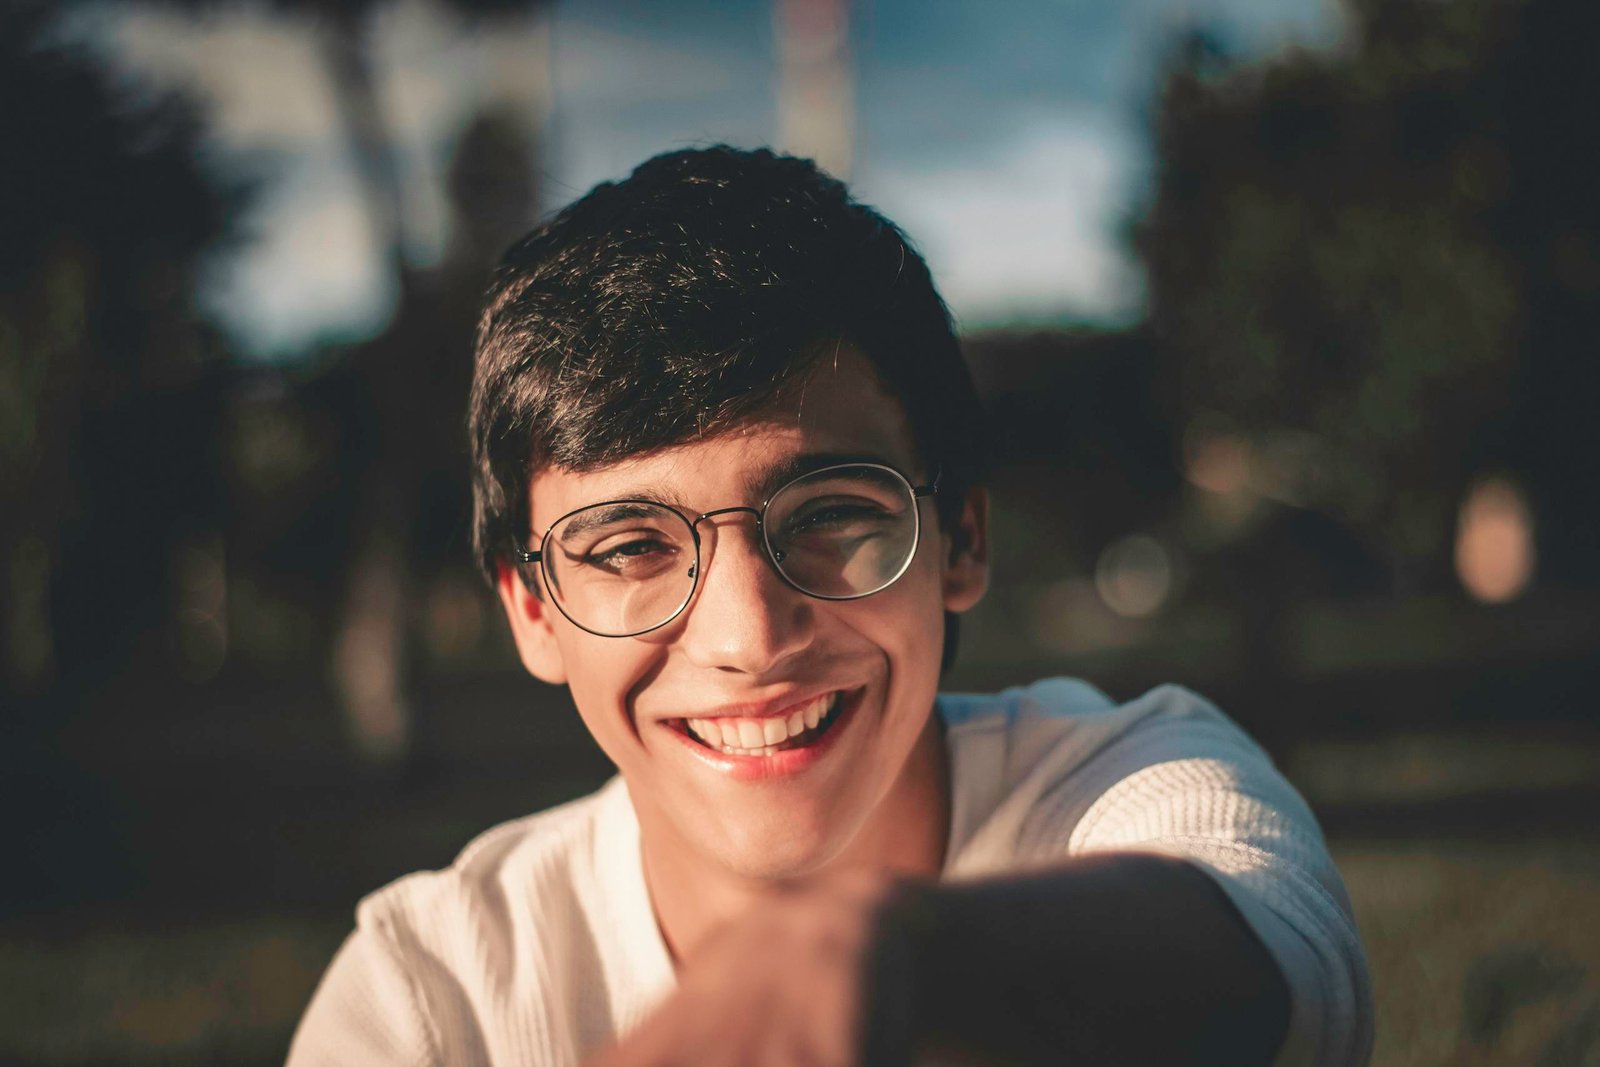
[{"x": 749, "y": 643}]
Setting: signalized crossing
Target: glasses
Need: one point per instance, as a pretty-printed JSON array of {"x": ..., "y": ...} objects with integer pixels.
[{"x": 626, "y": 567}]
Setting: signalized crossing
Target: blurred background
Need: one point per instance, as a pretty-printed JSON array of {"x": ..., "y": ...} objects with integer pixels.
[{"x": 1286, "y": 312}]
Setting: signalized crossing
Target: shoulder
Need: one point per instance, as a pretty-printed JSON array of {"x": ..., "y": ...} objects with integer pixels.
[
  {"x": 496, "y": 885},
  {"x": 450, "y": 965},
  {"x": 1033, "y": 767},
  {"x": 516, "y": 919},
  {"x": 1057, "y": 724},
  {"x": 1072, "y": 702},
  {"x": 1046, "y": 697}
]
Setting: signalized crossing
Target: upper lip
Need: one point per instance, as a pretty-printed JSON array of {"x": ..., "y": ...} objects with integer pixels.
[{"x": 762, "y": 709}]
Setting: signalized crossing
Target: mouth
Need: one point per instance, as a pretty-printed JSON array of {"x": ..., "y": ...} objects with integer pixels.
[{"x": 801, "y": 726}]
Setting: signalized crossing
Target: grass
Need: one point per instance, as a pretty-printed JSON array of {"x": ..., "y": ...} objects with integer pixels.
[
  {"x": 172, "y": 992},
  {"x": 1481, "y": 953}
]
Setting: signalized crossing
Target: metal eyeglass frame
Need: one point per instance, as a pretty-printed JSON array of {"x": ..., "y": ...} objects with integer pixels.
[{"x": 772, "y": 555}]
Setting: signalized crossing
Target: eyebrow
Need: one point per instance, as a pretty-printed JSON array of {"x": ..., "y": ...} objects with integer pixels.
[
  {"x": 764, "y": 481},
  {"x": 605, "y": 514},
  {"x": 631, "y": 502}
]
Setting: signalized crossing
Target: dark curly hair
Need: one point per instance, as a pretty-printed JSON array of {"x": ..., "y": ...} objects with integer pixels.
[{"x": 677, "y": 303}]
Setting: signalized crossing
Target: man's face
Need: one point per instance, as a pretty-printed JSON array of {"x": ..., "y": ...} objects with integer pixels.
[{"x": 751, "y": 649}]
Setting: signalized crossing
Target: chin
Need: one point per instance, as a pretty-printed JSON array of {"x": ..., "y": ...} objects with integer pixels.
[
  {"x": 750, "y": 852},
  {"x": 774, "y": 868}
]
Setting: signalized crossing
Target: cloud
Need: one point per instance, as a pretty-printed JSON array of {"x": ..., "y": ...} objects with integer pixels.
[
  {"x": 1007, "y": 139},
  {"x": 263, "y": 78},
  {"x": 260, "y": 72},
  {"x": 623, "y": 94},
  {"x": 609, "y": 67},
  {"x": 316, "y": 271},
  {"x": 1028, "y": 228}
]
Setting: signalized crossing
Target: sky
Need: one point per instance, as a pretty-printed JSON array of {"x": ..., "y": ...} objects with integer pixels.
[{"x": 1007, "y": 138}]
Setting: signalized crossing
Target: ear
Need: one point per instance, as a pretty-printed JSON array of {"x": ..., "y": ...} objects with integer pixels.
[
  {"x": 529, "y": 616},
  {"x": 966, "y": 567}
]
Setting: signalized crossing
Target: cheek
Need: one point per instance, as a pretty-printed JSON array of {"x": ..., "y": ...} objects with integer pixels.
[
  {"x": 906, "y": 622},
  {"x": 602, "y": 674}
]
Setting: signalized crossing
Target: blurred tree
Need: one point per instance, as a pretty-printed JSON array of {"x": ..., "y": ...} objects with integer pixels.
[
  {"x": 1376, "y": 266},
  {"x": 110, "y": 491},
  {"x": 1549, "y": 221},
  {"x": 413, "y": 381},
  {"x": 344, "y": 31},
  {"x": 401, "y": 398},
  {"x": 108, "y": 379},
  {"x": 408, "y": 389},
  {"x": 1079, "y": 447}
]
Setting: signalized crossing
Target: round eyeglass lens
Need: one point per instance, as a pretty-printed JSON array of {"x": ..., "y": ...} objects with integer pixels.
[
  {"x": 843, "y": 532},
  {"x": 621, "y": 568}
]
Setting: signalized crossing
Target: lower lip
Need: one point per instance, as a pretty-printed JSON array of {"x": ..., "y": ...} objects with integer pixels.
[{"x": 790, "y": 761}]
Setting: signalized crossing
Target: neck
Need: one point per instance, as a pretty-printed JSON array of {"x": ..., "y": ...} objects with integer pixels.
[{"x": 906, "y": 834}]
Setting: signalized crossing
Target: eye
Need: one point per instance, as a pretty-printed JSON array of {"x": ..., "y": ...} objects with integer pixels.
[
  {"x": 836, "y": 516},
  {"x": 633, "y": 556}
]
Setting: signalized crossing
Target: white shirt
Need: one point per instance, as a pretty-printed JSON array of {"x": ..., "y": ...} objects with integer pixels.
[{"x": 540, "y": 943}]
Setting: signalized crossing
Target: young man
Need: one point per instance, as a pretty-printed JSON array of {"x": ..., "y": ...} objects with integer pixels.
[{"x": 729, "y": 492}]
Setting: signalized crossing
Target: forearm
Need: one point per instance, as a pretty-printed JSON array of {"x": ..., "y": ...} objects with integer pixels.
[{"x": 1120, "y": 958}]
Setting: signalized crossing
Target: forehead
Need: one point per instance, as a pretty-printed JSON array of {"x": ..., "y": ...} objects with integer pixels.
[{"x": 836, "y": 412}]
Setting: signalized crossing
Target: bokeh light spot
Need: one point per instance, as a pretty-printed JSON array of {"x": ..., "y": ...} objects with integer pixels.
[
  {"x": 1134, "y": 576},
  {"x": 1494, "y": 551}
]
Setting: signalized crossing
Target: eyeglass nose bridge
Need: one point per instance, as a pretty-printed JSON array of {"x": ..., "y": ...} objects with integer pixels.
[
  {"x": 774, "y": 555},
  {"x": 727, "y": 511}
]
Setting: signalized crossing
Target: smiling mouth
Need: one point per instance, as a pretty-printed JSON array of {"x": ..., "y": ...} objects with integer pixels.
[{"x": 803, "y": 726}]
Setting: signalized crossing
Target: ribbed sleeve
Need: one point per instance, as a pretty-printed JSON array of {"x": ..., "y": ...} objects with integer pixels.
[
  {"x": 1169, "y": 773},
  {"x": 1238, "y": 821}
]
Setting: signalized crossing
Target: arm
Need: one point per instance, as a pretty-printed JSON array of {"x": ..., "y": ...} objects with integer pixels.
[
  {"x": 1121, "y": 958},
  {"x": 1192, "y": 787}
]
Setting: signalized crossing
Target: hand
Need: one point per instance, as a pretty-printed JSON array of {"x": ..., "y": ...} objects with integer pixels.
[{"x": 780, "y": 987}]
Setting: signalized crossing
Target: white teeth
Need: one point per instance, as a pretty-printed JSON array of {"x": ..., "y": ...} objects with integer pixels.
[
  {"x": 759, "y": 737},
  {"x": 764, "y": 751}
]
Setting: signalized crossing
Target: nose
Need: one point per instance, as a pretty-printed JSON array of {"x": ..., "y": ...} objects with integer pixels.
[{"x": 744, "y": 617}]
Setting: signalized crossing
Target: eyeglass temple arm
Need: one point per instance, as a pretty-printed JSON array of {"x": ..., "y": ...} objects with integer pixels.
[{"x": 522, "y": 555}]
